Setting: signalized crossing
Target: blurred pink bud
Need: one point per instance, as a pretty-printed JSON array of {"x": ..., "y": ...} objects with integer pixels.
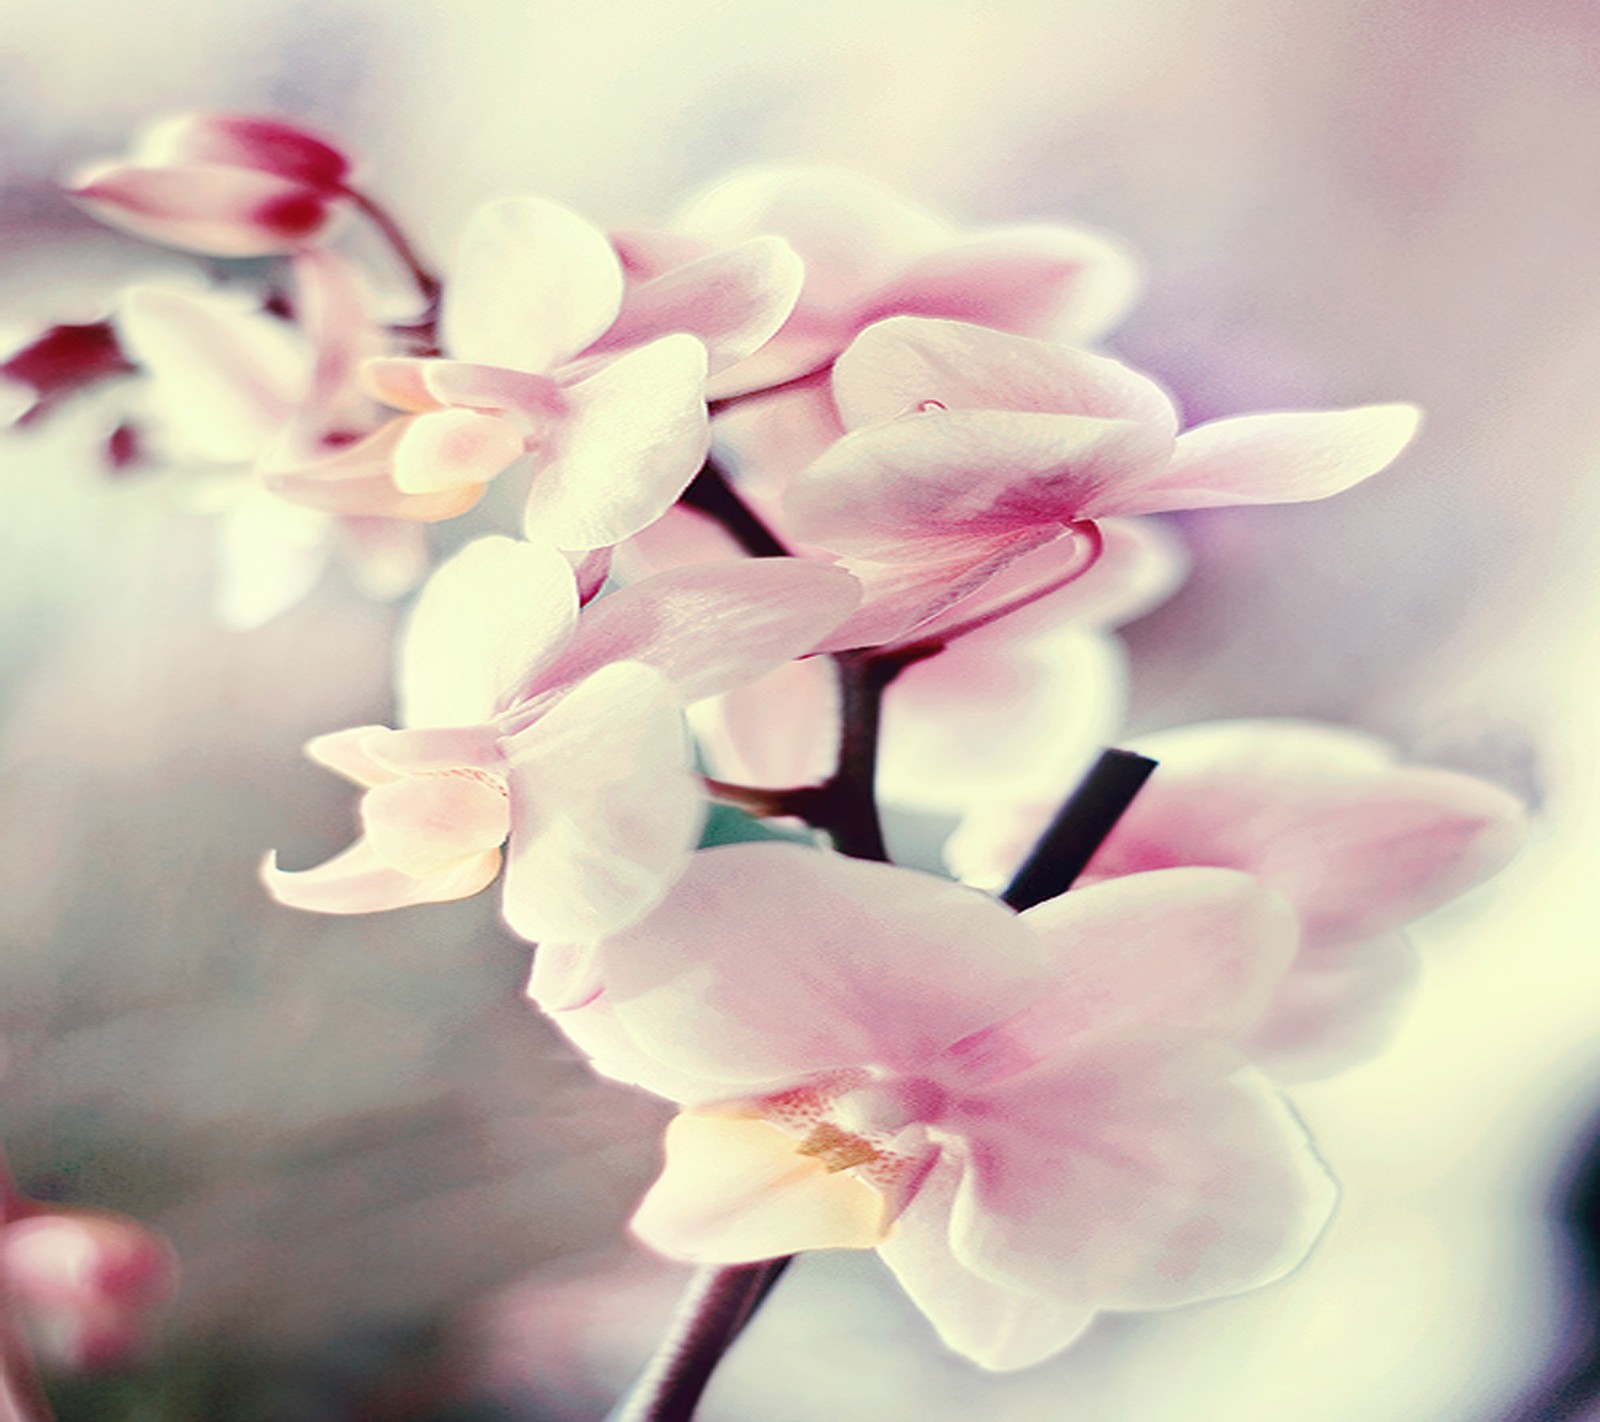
[
  {"x": 87, "y": 1283},
  {"x": 60, "y": 362},
  {"x": 227, "y": 185}
]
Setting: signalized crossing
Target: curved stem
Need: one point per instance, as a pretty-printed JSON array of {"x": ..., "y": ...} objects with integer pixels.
[
  {"x": 429, "y": 288},
  {"x": 712, "y": 1313}
]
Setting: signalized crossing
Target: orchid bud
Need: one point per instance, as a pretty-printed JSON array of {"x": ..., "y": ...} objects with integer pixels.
[
  {"x": 87, "y": 1283},
  {"x": 227, "y": 185}
]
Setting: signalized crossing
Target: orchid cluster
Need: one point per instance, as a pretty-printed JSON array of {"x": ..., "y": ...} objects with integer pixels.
[{"x": 822, "y": 508}]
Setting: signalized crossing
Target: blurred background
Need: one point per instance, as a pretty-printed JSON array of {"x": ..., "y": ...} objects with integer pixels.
[{"x": 394, "y": 1193}]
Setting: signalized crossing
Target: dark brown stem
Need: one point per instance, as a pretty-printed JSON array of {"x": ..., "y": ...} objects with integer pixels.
[
  {"x": 713, "y": 495},
  {"x": 713, "y": 1312},
  {"x": 1079, "y": 828}
]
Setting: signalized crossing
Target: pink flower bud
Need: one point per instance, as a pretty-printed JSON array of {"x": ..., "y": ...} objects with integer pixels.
[
  {"x": 228, "y": 185},
  {"x": 87, "y": 1283}
]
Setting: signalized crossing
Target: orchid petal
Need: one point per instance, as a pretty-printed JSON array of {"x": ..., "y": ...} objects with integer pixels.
[
  {"x": 905, "y": 489},
  {"x": 709, "y": 627},
  {"x": 444, "y": 448},
  {"x": 1338, "y": 1006},
  {"x": 358, "y": 880},
  {"x": 736, "y": 1190},
  {"x": 483, "y": 622},
  {"x": 733, "y": 300},
  {"x": 605, "y": 809},
  {"x": 1055, "y": 283},
  {"x": 422, "y": 824},
  {"x": 851, "y": 231},
  {"x": 779, "y": 731},
  {"x": 994, "y": 717},
  {"x": 1196, "y": 951},
  {"x": 243, "y": 141},
  {"x": 217, "y": 210},
  {"x": 224, "y": 379},
  {"x": 385, "y": 557},
  {"x": 1136, "y": 1178},
  {"x": 753, "y": 969},
  {"x": 1280, "y": 458},
  {"x": 533, "y": 284},
  {"x": 998, "y": 1327},
  {"x": 345, "y": 753},
  {"x": 1358, "y": 843},
  {"x": 898, "y": 366},
  {"x": 634, "y": 434},
  {"x": 271, "y": 554}
]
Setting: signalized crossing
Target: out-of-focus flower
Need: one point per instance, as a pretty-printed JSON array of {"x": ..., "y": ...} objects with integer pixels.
[
  {"x": 1032, "y": 1117},
  {"x": 557, "y": 734},
  {"x": 1359, "y": 844},
  {"x": 869, "y": 253},
  {"x": 552, "y": 352},
  {"x": 228, "y": 185},
  {"x": 56, "y": 365},
  {"x": 88, "y": 1283},
  {"x": 232, "y": 386}
]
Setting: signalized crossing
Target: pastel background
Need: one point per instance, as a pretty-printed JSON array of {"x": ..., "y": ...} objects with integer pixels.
[{"x": 395, "y": 1193}]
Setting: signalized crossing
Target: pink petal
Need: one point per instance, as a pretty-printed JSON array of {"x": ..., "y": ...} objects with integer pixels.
[
  {"x": 1358, "y": 844},
  {"x": 224, "y": 379},
  {"x": 680, "y": 537},
  {"x": 386, "y": 558},
  {"x": 780, "y": 731},
  {"x": 533, "y": 284},
  {"x": 708, "y": 627},
  {"x": 417, "y": 752},
  {"x": 444, "y": 448},
  {"x": 736, "y": 1190},
  {"x": 634, "y": 434},
  {"x": 1055, "y": 283},
  {"x": 345, "y": 753},
  {"x": 401, "y": 382},
  {"x": 996, "y": 1326},
  {"x": 354, "y": 479},
  {"x": 753, "y": 971},
  {"x": 1268, "y": 459},
  {"x": 897, "y": 366},
  {"x": 331, "y": 304},
  {"x": 851, "y": 232},
  {"x": 1337, "y": 1007},
  {"x": 605, "y": 810},
  {"x": 422, "y": 824},
  {"x": 733, "y": 300},
  {"x": 220, "y": 211},
  {"x": 1136, "y": 1178},
  {"x": 771, "y": 438},
  {"x": 244, "y": 141},
  {"x": 484, "y": 621},
  {"x": 902, "y": 490},
  {"x": 1141, "y": 564},
  {"x": 996, "y": 717},
  {"x": 359, "y": 881},
  {"x": 1196, "y": 951}
]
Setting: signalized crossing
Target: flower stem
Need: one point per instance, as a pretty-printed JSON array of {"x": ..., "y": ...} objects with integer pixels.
[
  {"x": 713, "y": 495},
  {"x": 1079, "y": 828},
  {"x": 428, "y": 285},
  {"x": 714, "y": 1311}
]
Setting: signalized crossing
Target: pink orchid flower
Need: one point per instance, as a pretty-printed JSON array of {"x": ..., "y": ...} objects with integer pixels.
[
  {"x": 556, "y": 734},
  {"x": 1000, "y": 714},
  {"x": 1359, "y": 844},
  {"x": 231, "y": 386},
  {"x": 87, "y": 1282},
  {"x": 869, "y": 254},
  {"x": 554, "y": 352},
  {"x": 1031, "y": 1117},
  {"x": 967, "y": 447},
  {"x": 227, "y": 185}
]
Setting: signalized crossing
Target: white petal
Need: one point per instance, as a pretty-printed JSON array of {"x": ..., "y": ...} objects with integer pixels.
[
  {"x": 484, "y": 620},
  {"x": 533, "y": 284}
]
